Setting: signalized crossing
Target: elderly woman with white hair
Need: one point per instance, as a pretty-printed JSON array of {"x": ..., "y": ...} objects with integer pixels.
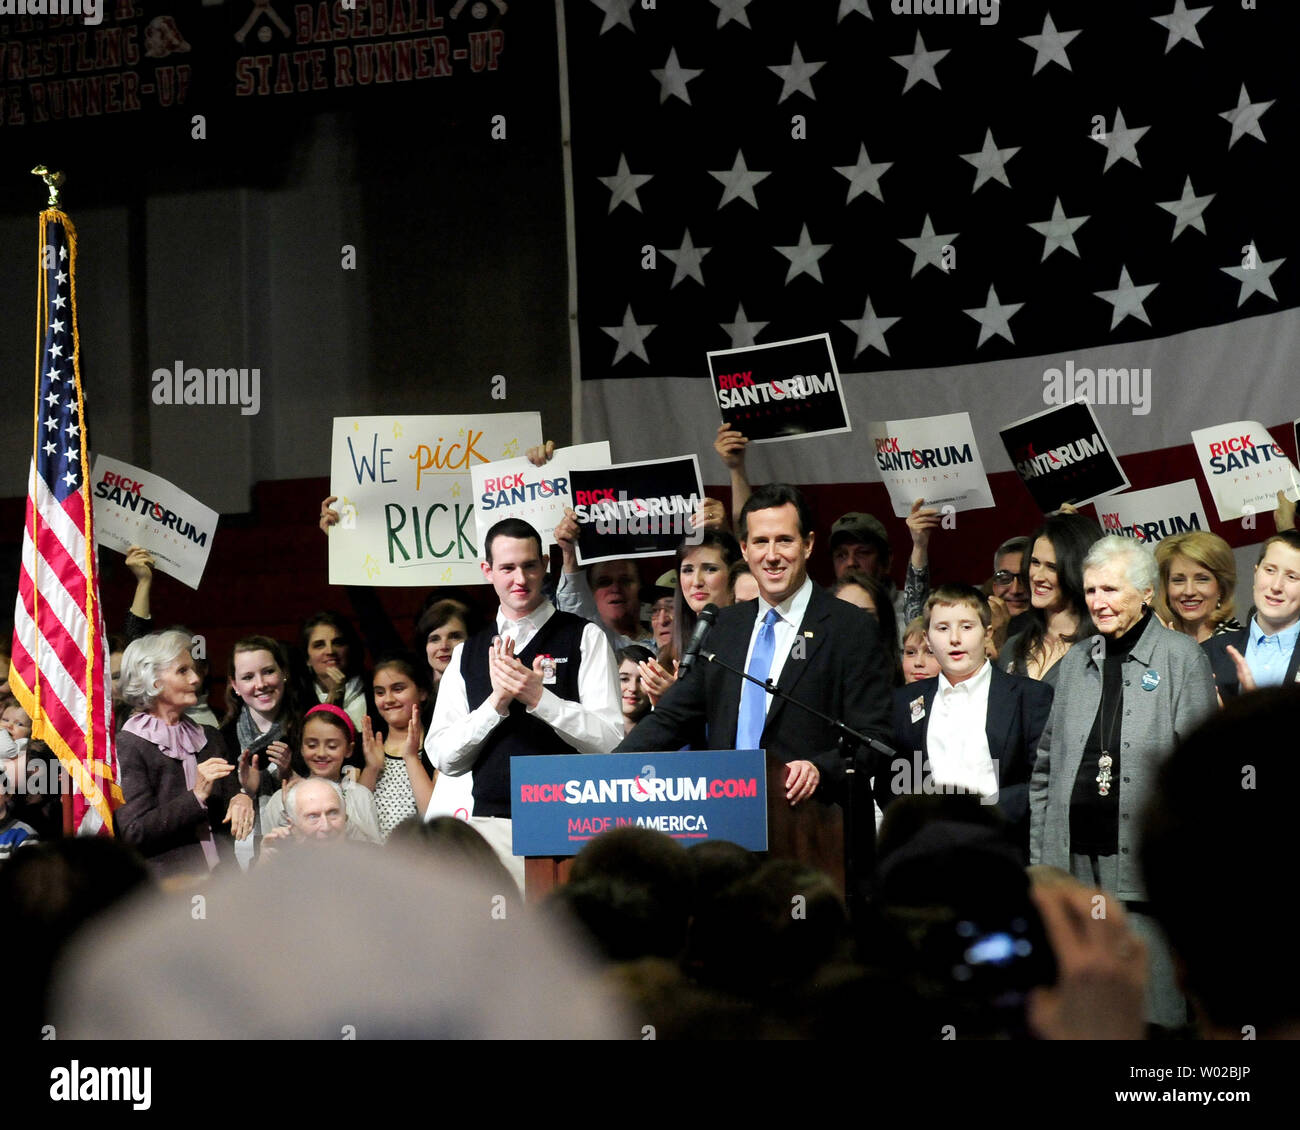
[
  {"x": 1124, "y": 699},
  {"x": 179, "y": 788}
]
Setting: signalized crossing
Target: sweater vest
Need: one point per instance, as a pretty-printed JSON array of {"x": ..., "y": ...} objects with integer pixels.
[{"x": 519, "y": 733}]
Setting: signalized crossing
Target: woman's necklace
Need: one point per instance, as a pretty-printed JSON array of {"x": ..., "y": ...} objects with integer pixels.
[{"x": 1105, "y": 762}]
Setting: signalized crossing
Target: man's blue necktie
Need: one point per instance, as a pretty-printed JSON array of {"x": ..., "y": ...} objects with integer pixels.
[{"x": 753, "y": 699}]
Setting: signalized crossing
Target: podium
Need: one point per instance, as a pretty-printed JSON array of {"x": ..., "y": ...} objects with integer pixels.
[{"x": 812, "y": 833}]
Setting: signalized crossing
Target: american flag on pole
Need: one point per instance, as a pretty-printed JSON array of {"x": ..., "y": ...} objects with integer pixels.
[
  {"x": 60, "y": 671},
  {"x": 965, "y": 202}
]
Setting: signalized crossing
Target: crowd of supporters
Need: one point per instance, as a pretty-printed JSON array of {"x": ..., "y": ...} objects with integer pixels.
[{"x": 1090, "y": 719}]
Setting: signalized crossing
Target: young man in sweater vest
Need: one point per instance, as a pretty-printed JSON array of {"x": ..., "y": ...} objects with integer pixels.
[{"x": 536, "y": 681}]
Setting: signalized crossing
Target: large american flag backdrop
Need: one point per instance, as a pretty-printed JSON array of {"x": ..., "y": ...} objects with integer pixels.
[
  {"x": 60, "y": 670},
  {"x": 1111, "y": 184}
]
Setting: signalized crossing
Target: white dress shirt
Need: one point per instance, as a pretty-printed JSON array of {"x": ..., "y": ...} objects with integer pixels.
[
  {"x": 594, "y": 724},
  {"x": 957, "y": 742},
  {"x": 785, "y": 631}
]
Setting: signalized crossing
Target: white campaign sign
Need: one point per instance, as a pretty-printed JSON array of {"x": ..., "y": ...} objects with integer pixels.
[
  {"x": 514, "y": 488},
  {"x": 406, "y": 494},
  {"x": 1244, "y": 468},
  {"x": 136, "y": 507},
  {"x": 930, "y": 457},
  {"x": 1155, "y": 514}
]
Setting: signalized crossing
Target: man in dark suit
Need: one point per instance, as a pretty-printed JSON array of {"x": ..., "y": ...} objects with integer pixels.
[
  {"x": 824, "y": 651},
  {"x": 971, "y": 728},
  {"x": 1264, "y": 654}
]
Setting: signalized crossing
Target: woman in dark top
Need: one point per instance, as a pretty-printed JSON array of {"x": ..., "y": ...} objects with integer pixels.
[
  {"x": 1052, "y": 573},
  {"x": 180, "y": 791}
]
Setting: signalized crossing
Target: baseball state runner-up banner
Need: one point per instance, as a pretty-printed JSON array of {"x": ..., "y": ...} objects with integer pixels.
[
  {"x": 559, "y": 803},
  {"x": 406, "y": 494},
  {"x": 136, "y": 507}
]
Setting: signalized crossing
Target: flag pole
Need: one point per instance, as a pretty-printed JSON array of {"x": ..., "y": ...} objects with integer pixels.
[{"x": 54, "y": 182}]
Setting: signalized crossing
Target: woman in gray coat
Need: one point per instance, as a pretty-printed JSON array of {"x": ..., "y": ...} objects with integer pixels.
[{"x": 1123, "y": 701}]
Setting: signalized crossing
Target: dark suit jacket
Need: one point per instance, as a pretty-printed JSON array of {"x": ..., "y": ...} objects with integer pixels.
[
  {"x": 1225, "y": 671},
  {"x": 843, "y": 673},
  {"x": 1018, "y": 711}
]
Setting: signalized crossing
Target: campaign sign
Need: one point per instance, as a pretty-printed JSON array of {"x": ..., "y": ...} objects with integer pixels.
[
  {"x": 514, "y": 488},
  {"x": 636, "y": 509},
  {"x": 1062, "y": 456},
  {"x": 1155, "y": 514},
  {"x": 1244, "y": 468},
  {"x": 785, "y": 390},
  {"x": 136, "y": 507},
  {"x": 931, "y": 457},
  {"x": 559, "y": 803},
  {"x": 406, "y": 494}
]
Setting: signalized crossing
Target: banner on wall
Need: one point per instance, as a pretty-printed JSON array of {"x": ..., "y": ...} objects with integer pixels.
[{"x": 406, "y": 494}]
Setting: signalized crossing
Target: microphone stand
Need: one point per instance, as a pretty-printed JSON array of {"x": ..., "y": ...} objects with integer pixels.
[{"x": 849, "y": 741}]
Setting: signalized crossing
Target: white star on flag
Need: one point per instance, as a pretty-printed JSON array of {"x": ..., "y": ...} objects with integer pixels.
[
  {"x": 616, "y": 12},
  {"x": 1186, "y": 210},
  {"x": 990, "y": 162},
  {"x": 742, "y": 331},
  {"x": 1181, "y": 24},
  {"x": 796, "y": 76},
  {"x": 927, "y": 247},
  {"x": 623, "y": 185},
  {"x": 1059, "y": 231},
  {"x": 630, "y": 337},
  {"x": 994, "y": 318},
  {"x": 803, "y": 257},
  {"x": 1050, "y": 45},
  {"x": 738, "y": 182},
  {"x": 1121, "y": 141},
  {"x": 870, "y": 330},
  {"x": 673, "y": 79},
  {"x": 1127, "y": 299},
  {"x": 919, "y": 65},
  {"x": 1254, "y": 278},
  {"x": 732, "y": 10},
  {"x": 686, "y": 260},
  {"x": 864, "y": 176},
  {"x": 1245, "y": 117}
]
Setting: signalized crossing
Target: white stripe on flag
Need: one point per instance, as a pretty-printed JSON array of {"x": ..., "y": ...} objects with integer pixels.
[{"x": 51, "y": 669}]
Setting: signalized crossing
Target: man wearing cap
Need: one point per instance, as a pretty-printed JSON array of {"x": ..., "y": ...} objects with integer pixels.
[
  {"x": 859, "y": 541},
  {"x": 661, "y": 610},
  {"x": 535, "y": 681}
]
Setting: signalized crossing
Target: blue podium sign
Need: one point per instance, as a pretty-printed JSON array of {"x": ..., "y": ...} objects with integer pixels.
[{"x": 559, "y": 803}]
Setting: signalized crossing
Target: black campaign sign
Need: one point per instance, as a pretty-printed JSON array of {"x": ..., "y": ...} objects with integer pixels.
[
  {"x": 1062, "y": 456},
  {"x": 635, "y": 509},
  {"x": 786, "y": 390}
]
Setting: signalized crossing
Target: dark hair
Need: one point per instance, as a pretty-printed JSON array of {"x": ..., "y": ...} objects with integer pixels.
[
  {"x": 958, "y": 593},
  {"x": 1222, "y": 899},
  {"x": 684, "y": 616},
  {"x": 512, "y": 528},
  {"x": 1071, "y": 536},
  {"x": 1019, "y": 544},
  {"x": 419, "y": 674},
  {"x": 771, "y": 495},
  {"x": 885, "y": 616},
  {"x": 288, "y": 701},
  {"x": 447, "y": 841},
  {"x": 636, "y": 652},
  {"x": 342, "y": 625},
  {"x": 299, "y": 724},
  {"x": 1289, "y": 538},
  {"x": 437, "y": 615}
]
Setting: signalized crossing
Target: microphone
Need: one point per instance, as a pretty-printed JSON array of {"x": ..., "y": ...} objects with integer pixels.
[{"x": 708, "y": 614}]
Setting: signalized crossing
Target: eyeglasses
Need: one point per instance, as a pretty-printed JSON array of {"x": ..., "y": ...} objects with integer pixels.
[
  {"x": 661, "y": 610},
  {"x": 1004, "y": 577}
]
